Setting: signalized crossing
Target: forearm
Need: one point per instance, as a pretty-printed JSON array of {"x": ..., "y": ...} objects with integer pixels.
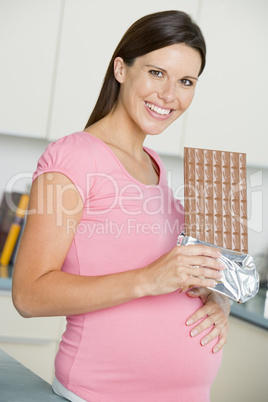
[
  {"x": 41, "y": 288},
  {"x": 57, "y": 293}
]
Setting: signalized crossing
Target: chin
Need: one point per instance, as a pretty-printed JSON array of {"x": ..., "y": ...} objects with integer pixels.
[{"x": 155, "y": 131}]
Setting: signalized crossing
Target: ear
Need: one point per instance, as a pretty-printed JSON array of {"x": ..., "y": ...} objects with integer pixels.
[{"x": 119, "y": 69}]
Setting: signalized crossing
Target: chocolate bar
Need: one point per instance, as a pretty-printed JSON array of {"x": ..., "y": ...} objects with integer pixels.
[{"x": 215, "y": 197}]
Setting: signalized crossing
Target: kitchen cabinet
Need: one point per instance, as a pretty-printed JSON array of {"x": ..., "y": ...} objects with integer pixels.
[
  {"x": 33, "y": 341},
  {"x": 54, "y": 55},
  {"x": 29, "y": 32},
  {"x": 89, "y": 37},
  {"x": 229, "y": 110}
]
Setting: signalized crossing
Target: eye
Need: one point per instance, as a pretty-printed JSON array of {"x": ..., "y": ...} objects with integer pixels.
[
  {"x": 156, "y": 73},
  {"x": 185, "y": 82}
]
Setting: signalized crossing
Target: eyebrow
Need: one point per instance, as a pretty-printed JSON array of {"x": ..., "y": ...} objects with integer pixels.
[{"x": 165, "y": 71}]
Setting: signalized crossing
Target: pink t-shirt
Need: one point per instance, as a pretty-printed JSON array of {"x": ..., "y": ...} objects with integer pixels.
[{"x": 140, "y": 350}]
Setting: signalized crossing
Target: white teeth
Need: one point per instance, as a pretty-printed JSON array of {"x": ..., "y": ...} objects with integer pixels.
[{"x": 158, "y": 109}]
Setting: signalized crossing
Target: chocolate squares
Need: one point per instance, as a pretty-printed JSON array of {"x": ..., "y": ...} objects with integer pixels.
[{"x": 215, "y": 197}]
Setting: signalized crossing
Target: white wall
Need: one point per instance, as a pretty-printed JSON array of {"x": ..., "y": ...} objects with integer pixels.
[{"x": 18, "y": 160}]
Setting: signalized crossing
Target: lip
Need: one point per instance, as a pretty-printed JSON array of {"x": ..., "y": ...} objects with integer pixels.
[{"x": 157, "y": 115}]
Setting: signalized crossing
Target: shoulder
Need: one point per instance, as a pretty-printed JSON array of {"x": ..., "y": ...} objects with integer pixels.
[
  {"x": 76, "y": 147},
  {"x": 79, "y": 142},
  {"x": 72, "y": 155}
]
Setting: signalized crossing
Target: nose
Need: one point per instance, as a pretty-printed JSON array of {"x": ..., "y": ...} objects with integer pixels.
[{"x": 167, "y": 92}]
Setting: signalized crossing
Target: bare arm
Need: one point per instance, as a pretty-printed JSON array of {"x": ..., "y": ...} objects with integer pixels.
[{"x": 40, "y": 288}]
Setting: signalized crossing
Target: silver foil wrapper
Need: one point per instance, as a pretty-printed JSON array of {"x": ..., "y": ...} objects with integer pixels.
[{"x": 240, "y": 279}]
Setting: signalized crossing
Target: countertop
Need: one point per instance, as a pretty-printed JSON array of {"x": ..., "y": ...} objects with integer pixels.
[
  {"x": 254, "y": 311},
  {"x": 18, "y": 384}
]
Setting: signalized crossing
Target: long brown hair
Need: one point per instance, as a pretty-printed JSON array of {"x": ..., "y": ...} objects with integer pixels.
[{"x": 149, "y": 33}]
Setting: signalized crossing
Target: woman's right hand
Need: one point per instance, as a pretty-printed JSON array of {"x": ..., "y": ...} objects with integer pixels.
[{"x": 184, "y": 267}]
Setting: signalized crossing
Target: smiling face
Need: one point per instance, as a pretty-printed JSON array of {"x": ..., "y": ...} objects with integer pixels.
[{"x": 158, "y": 87}]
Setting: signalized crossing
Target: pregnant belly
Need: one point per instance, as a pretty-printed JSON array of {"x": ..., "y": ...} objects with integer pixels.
[{"x": 143, "y": 347}]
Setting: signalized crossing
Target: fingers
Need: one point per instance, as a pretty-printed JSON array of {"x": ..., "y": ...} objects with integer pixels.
[
  {"x": 204, "y": 272},
  {"x": 206, "y": 276},
  {"x": 192, "y": 256},
  {"x": 215, "y": 316},
  {"x": 199, "y": 315},
  {"x": 219, "y": 330},
  {"x": 210, "y": 262},
  {"x": 199, "y": 281},
  {"x": 177, "y": 269},
  {"x": 222, "y": 340},
  {"x": 205, "y": 324},
  {"x": 199, "y": 262},
  {"x": 202, "y": 250}
]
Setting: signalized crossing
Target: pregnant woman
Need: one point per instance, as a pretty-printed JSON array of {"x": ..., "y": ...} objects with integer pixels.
[{"x": 99, "y": 244}]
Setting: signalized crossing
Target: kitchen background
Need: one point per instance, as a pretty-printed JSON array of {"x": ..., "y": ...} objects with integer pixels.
[{"x": 53, "y": 57}]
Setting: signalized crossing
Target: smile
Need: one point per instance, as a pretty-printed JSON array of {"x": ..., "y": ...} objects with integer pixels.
[{"x": 159, "y": 110}]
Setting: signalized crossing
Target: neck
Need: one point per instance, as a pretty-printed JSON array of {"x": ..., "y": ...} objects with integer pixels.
[{"x": 118, "y": 130}]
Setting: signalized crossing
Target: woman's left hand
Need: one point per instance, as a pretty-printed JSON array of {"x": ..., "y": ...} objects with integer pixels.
[{"x": 215, "y": 312}]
